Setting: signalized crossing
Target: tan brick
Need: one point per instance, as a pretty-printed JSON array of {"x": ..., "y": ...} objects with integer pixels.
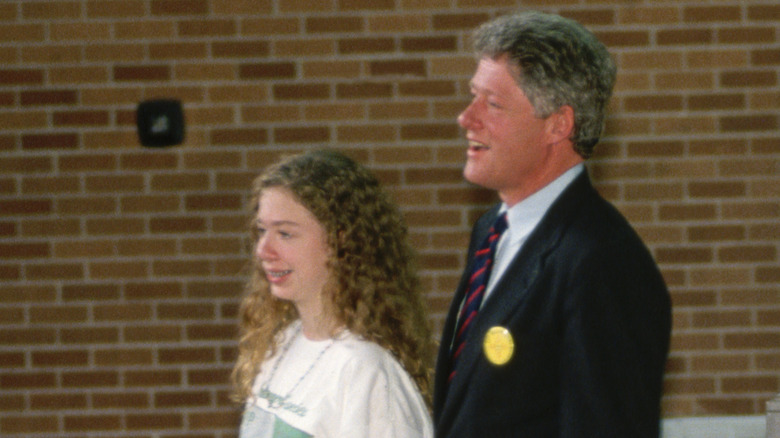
[
  {"x": 390, "y": 22},
  {"x": 90, "y": 31},
  {"x": 79, "y": 75},
  {"x": 700, "y": 14},
  {"x": 35, "y": 424},
  {"x": 122, "y": 312},
  {"x": 144, "y": 29},
  {"x": 349, "y": 24},
  {"x": 84, "y": 249},
  {"x": 243, "y": 7},
  {"x": 428, "y": 44},
  {"x": 742, "y": 35},
  {"x": 311, "y": 134},
  {"x": 124, "y": 357},
  {"x": 122, "y": 400},
  {"x": 123, "y": 270},
  {"x": 768, "y": 384},
  {"x": 153, "y": 378},
  {"x": 51, "y": 401},
  {"x": 169, "y": 51},
  {"x": 360, "y": 5},
  {"x": 392, "y": 110},
  {"x": 91, "y": 335},
  {"x": 271, "y": 113},
  {"x": 96, "y": 422},
  {"x": 270, "y": 25},
  {"x": 378, "y": 133},
  {"x": 305, "y": 47},
  {"x": 429, "y": 131},
  {"x": 364, "y": 90},
  {"x": 207, "y": 28},
  {"x": 647, "y": 14},
  {"x": 51, "y": 10}
]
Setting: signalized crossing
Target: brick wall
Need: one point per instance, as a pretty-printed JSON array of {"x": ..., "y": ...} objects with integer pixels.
[{"x": 121, "y": 266}]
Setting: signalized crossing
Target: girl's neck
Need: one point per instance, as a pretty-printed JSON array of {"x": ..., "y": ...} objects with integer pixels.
[{"x": 318, "y": 326}]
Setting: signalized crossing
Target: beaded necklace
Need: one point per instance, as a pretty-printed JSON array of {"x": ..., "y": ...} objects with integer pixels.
[{"x": 275, "y": 400}]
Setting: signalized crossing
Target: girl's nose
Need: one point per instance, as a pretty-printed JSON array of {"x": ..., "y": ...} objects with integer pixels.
[{"x": 264, "y": 249}]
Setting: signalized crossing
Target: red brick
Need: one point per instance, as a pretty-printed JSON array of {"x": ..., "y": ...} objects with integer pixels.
[
  {"x": 768, "y": 122},
  {"x": 24, "y": 250},
  {"x": 716, "y": 189},
  {"x": 27, "y": 380},
  {"x": 21, "y": 77},
  {"x": 182, "y": 399},
  {"x": 64, "y": 358}
]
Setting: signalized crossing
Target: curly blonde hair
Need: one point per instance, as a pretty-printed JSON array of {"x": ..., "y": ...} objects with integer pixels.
[{"x": 375, "y": 292}]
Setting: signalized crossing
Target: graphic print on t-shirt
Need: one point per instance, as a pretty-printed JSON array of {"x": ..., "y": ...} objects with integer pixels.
[{"x": 258, "y": 423}]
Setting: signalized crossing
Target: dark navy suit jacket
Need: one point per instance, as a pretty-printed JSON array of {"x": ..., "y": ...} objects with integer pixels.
[{"x": 589, "y": 315}]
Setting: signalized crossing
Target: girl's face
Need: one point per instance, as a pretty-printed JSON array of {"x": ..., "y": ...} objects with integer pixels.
[{"x": 292, "y": 249}]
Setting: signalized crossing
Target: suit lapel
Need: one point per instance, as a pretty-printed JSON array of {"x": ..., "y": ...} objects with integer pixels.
[{"x": 507, "y": 296}]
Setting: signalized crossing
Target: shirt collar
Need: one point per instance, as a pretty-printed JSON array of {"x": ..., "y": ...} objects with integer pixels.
[{"x": 526, "y": 214}]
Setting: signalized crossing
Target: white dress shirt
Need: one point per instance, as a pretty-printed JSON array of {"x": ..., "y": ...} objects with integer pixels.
[{"x": 523, "y": 218}]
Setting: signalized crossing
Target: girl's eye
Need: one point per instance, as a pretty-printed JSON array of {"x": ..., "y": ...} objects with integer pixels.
[{"x": 260, "y": 231}]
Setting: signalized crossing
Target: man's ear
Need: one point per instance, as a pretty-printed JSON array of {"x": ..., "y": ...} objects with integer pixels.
[{"x": 561, "y": 124}]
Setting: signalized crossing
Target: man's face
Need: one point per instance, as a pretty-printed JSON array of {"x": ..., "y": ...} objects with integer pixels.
[{"x": 508, "y": 145}]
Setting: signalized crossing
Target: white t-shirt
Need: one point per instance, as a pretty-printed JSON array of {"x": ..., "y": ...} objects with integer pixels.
[{"x": 339, "y": 388}]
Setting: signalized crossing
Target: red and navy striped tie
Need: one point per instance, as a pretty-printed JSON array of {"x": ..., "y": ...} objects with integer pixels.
[{"x": 480, "y": 273}]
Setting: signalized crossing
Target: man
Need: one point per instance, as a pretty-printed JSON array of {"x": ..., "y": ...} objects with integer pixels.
[{"x": 572, "y": 333}]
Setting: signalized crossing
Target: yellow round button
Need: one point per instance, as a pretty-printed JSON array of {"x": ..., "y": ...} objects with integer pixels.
[{"x": 498, "y": 345}]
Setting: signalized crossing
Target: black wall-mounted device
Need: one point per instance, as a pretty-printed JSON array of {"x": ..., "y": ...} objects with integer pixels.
[{"x": 160, "y": 122}]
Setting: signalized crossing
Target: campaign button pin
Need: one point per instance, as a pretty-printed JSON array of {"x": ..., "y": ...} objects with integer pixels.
[{"x": 498, "y": 345}]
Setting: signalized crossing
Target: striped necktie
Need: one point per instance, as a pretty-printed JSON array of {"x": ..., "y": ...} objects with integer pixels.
[{"x": 480, "y": 273}]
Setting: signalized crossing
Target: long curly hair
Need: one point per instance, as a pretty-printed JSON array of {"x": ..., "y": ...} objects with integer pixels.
[{"x": 374, "y": 290}]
